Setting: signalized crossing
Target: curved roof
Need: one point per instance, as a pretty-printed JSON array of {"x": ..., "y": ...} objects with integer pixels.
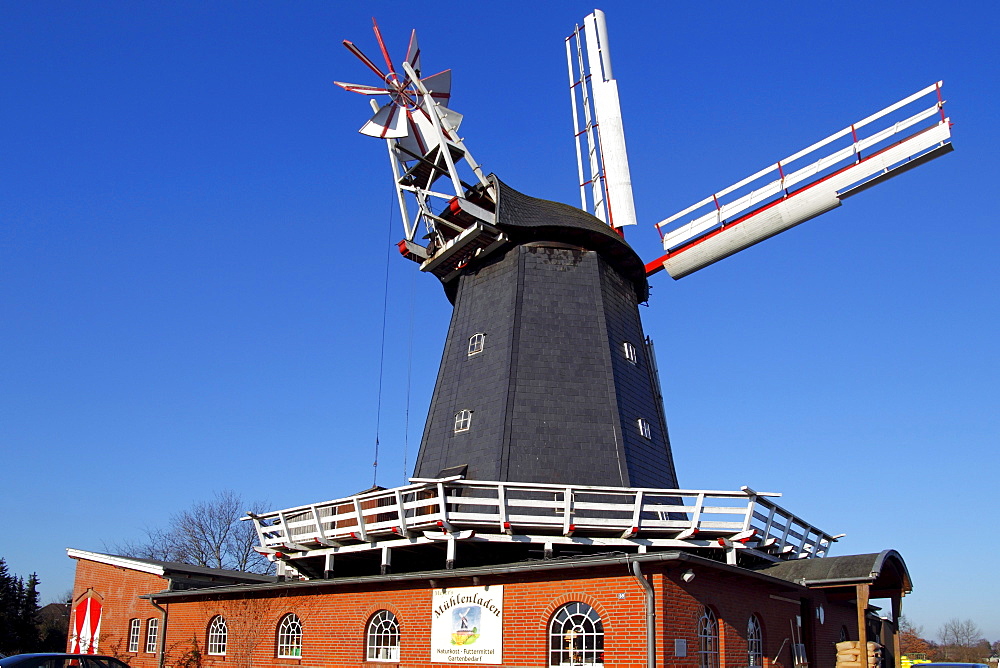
[
  {"x": 885, "y": 572},
  {"x": 527, "y": 219}
]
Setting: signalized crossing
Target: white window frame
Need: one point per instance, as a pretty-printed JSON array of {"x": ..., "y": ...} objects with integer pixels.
[
  {"x": 218, "y": 636},
  {"x": 463, "y": 420},
  {"x": 576, "y": 636},
  {"x": 290, "y": 637},
  {"x": 476, "y": 343},
  {"x": 755, "y": 642},
  {"x": 134, "y": 632},
  {"x": 708, "y": 639},
  {"x": 630, "y": 353},
  {"x": 645, "y": 430},
  {"x": 152, "y": 631},
  {"x": 382, "y": 637}
]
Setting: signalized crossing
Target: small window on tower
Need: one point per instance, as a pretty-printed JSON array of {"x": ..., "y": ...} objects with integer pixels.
[
  {"x": 644, "y": 429},
  {"x": 629, "y": 352},
  {"x": 476, "y": 343},
  {"x": 463, "y": 419}
]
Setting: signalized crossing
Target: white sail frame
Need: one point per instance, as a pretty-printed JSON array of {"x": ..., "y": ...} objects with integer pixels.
[
  {"x": 594, "y": 95},
  {"x": 821, "y": 185}
]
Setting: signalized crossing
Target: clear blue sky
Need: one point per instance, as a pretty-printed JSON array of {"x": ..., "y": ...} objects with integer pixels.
[{"x": 193, "y": 241}]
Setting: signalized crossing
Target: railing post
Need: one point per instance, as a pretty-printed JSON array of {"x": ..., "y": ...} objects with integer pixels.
[
  {"x": 637, "y": 512},
  {"x": 401, "y": 512},
  {"x": 567, "y": 510},
  {"x": 696, "y": 515},
  {"x": 502, "y": 507},
  {"x": 751, "y": 503},
  {"x": 361, "y": 519},
  {"x": 285, "y": 531},
  {"x": 442, "y": 502},
  {"x": 319, "y": 525}
]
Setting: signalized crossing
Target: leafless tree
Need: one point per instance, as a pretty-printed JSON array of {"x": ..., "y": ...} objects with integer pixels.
[
  {"x": 962, "y": 640},
  {"x": 209, "y": 533}
]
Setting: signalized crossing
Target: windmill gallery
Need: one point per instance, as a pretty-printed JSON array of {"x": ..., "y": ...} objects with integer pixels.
[{"x": 543, "y": 524}]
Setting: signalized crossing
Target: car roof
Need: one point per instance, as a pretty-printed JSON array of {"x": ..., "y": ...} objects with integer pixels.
[{"x": 17, "y": 658}]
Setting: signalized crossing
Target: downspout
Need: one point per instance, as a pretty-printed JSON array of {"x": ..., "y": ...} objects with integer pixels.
[
  {"x": 650, "y": 615},
  {"x": 163, "y": 631}
]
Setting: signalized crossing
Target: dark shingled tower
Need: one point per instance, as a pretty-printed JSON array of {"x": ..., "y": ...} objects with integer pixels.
[{"x": 565, "y": 384}]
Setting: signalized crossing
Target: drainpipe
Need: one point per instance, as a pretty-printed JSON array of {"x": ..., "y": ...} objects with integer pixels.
[
  {"x": 163, "y": 623},
  {"x": 650, "y": 615}
]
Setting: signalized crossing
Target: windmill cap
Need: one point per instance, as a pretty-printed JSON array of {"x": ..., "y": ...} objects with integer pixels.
[{"x": 527, "y": 219}]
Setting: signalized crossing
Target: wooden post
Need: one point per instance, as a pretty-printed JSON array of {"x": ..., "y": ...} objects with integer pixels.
[
  {"x": 862, "y": 596},
  {"x": 897, "y": 605}
]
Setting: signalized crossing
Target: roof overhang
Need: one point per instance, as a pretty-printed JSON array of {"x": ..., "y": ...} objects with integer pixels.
[
  {"x": 118, "y": 562},
  {"x": 684, "y": 559}
]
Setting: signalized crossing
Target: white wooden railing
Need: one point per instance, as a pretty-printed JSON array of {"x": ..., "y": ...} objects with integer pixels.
[{"x": 702, "y": 518}]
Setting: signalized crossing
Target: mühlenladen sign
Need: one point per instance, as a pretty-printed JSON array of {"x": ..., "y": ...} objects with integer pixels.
[{"x": 467, "y": 625}]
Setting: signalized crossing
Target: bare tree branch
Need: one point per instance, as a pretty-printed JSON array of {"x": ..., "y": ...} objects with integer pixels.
[{"x": 209, "y": 533}]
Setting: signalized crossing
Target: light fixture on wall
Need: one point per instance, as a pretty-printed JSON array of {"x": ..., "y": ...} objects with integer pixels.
[{"x": 687, "y": 575}]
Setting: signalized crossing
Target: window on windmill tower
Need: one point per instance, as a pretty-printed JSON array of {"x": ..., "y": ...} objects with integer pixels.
[
  {"x": 629, "y": 352},
  {"x": 463, "y": 420},
  {"x": 644, "y": 428},
  {"x": 476, "y": 342}
]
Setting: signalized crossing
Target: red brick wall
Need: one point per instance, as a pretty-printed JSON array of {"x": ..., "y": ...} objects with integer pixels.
[
  {"x": 118, "y": 589},
  {"x": 334, "y": 619},
  {"x": 334, "y": 622}
]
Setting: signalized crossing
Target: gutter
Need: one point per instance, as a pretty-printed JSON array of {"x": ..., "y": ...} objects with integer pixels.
[
  {"x": 650, "y": 615},
  {"x": 452, "y": 574}
]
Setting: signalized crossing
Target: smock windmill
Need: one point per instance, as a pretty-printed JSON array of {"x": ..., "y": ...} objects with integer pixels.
[
  {"x": 546, "y": 429},
  {"x": 475, "y": 226}
]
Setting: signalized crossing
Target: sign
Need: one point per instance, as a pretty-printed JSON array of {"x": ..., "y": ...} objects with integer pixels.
[{"x": 467, "y": 625}]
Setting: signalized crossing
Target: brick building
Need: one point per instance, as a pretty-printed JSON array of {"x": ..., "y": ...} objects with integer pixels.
[
  {"x": 704, "y": 613},
  {"x": 544, "y": 526}
]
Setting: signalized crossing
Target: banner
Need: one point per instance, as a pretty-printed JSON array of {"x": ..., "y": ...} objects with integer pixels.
[{"x": 467, "y": 625}]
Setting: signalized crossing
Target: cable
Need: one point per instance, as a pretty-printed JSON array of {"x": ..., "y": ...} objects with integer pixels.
[
  {"x": 409, "y": 369},
  {"x": 381, "y": 356}
]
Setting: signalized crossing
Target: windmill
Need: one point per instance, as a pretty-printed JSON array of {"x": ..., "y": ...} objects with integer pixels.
[{"x": 546, "y": 427}]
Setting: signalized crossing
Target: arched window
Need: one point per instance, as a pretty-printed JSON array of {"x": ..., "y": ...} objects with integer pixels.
[
  {"x": 755, "y": 642},
  {"x": 476, "y": 342},
  {"x": 708, "y": 640},
  {"x": 289, "y": 637},
  {"x": 576, "y": 636},
  {"x": 382, "y": 643},
  {"x": 152, "y": 630},
  {"x": 218, "y": 634},
  {"x": 463, "y": 420},
  {"x": 134, "y": 629}
]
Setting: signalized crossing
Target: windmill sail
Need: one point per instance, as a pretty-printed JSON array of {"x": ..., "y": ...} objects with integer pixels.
[
  {"x": 756, "y": 208},
  {"x": 602, "y": 161}
]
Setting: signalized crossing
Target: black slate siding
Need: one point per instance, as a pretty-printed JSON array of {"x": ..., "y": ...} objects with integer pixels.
[{"x": 553, "y": 398}]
